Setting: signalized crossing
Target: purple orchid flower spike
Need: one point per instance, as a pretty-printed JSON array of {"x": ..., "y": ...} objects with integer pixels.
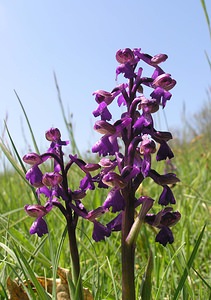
[{"x": 129, "y": 143}]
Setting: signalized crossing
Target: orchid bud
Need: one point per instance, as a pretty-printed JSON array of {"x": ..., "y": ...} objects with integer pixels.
[
  {"x": 114, "y": 180},
  {"x": 53, "y": 135},
  {"x": 157, "y": 59},
  {"x": 147, "y": 145},
  {"x": 105, "y": 162},
  {"x": 35, "y": 210},
  {"x": 52, "y": 179},
  {"x": 32, "y": 159},
  {"x": 104, "y": 127},
  {"x": 91, "y": 167},
  {"x": 124, "y": 56},
  {"x": 164, "y": 81},
  {"x": 101, "y": 95},
  {"x": 148, "y": 105}
]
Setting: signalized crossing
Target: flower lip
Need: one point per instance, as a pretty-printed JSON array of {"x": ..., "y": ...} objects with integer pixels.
[
  {"x": 39, "y": 227},
  {"x": 34, "y": 176}
]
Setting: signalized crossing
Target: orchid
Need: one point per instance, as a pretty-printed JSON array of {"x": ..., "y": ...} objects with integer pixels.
[
  {"x": 125, "y": 160},
  {"x": 58, "y": 194},
  {"x": 127, "y": 145}
]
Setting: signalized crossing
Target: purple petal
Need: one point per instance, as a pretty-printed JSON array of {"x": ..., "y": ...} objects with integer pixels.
[
  {"x": 43, "y": 190},
  {"x": 86, "y": 183},
  {"x": 32, "y": 159},
  {"x": 121, "y": 100},
  {"x": 107, "y": 145},
  {"x": 115, "y": 224},
  {"x": 164, "y": 152},
  {"x": 102, "y": 111},
  {"x": 100, "y": 232},
  {"x": 126, "y": 69},
  {"x": 165, "y": 236},
  {"x": 36, "y": 210},
  {"x": 114, "y": 200},
  {"x": 166, "y": 196},
  {"x": 161, "y": 95},
  {"x": 146, "y": 165},
  {"x": 39, "y": 227},
  {"x": 34, "y": 176},
  {"x": 143, "y": 121}
]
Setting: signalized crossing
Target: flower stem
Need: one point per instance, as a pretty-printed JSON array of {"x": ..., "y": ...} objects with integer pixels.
[
  {"x": 128, "y": 250},
  {"x": 75, "y": 258}
]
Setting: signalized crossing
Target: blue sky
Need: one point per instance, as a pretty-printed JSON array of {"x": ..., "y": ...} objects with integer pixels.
[{"x": 78, "y": 40}]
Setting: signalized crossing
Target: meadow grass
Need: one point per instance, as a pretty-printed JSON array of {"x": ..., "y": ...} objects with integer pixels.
[{"x": 180, "y": 271}]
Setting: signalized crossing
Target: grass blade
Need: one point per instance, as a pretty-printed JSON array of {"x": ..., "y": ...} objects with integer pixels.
[
  {"x": 55, "y": 258},
  {"x": 202, "y": 279},
  {"x": 206, "y": 15},
  {"x": 189, "y": 265},
  {"x": 15, "y": 149},
  {"x": 146, "y": 287},
  {"x": 12, "y": 160},
  {"x": 67, "y": 122},
  {"x": 208, "y": 59},
  {"x": 165, "y": 273},
  {"x": 30, "y": 273},
  {"x": 28, "y": 123},
  {"x": 113, "y": 279}
]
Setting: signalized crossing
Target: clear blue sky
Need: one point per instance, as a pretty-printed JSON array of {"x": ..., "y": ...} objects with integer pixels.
[{"x": 78, "y": 40}]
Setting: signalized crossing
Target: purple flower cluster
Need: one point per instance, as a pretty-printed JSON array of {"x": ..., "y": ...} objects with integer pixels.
[
  {"x": 54, "y": 186},
  {"x": 130, "y": 141},
  {"x": 125, "y": 148}
]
